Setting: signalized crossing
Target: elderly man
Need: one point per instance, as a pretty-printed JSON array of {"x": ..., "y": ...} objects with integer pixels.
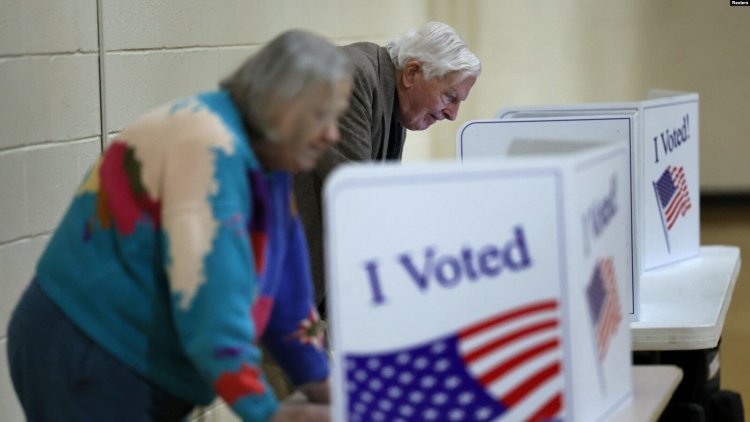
[{"x": 412, "y": 82}]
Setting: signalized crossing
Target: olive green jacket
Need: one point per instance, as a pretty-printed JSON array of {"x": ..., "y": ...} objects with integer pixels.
[{"x": 369, "y": 132}]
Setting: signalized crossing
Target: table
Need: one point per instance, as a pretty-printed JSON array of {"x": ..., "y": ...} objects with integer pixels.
[
  {"x": 683, "y": 308},
  {"x": 683, "y": 305},
  {"x": 653, "y": 386}
]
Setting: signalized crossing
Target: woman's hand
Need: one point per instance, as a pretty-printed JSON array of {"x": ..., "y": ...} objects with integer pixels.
[
  {"x": 317, "y": 392},
  {"x": 302, "y": 412}
]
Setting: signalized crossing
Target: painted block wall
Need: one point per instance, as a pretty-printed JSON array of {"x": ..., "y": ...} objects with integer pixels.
[
  {"x": 76, "y": 72},
  {"x": 49, "y": 89}
]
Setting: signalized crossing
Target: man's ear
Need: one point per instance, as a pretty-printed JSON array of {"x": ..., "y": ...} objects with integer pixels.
[{"x": 412, "y": 71}]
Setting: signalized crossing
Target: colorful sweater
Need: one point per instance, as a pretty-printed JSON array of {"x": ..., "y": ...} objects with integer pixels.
[{"x": 179, "y": 253}]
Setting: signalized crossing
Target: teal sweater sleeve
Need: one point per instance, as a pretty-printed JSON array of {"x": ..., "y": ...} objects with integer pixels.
[
  {"x": 212, "y": 269},
  {"x": 216, "y": 330},
  {"x": 257, "y": 288},
  {"x": 268, "y": 273}
]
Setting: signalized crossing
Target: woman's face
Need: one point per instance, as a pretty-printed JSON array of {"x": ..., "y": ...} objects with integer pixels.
[{"x": 309, "y": 125}]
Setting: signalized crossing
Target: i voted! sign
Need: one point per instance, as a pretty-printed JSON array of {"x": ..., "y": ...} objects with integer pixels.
[
  {"x": 558, "y": 136},
  {"x": 664, "y": 142},
  {"x": 671, "y": 203},
  {"x": 451, "y": 291}
]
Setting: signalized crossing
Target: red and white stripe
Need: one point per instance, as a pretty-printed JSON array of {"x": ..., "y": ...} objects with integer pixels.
[
  {"x": 517, "y": 357},
  {"x": 680, "y": 202},
  {"x": 611, "y": 316}
]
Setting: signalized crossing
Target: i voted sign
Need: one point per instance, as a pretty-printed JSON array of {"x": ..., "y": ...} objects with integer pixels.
[
  {"x": 554, "y": 136},
  {"x": 665, "y": 169},
  {"x": 452, "y": 290},
  {"x": 671, "y": 203}
]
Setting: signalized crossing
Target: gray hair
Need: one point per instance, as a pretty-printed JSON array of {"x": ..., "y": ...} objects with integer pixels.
[
  {"x": 440, "y": 49},
  {"x": 280, "y": 72}
]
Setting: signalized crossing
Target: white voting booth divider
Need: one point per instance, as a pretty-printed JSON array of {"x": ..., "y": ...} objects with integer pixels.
[
  {"x": 548, "y": 136},
  {"x": 665, "y": 172},
  {"x": 480, "y": 291}
]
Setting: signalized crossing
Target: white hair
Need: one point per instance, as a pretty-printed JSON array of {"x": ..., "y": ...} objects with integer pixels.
[
  {"x": 440, "y": 50},
  {"x": 280, "y": 72}
]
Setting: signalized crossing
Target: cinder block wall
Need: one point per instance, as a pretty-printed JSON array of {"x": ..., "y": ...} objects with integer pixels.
[
  {"x": 50, "y": 132},
  {"x": 74, "y": 73}
]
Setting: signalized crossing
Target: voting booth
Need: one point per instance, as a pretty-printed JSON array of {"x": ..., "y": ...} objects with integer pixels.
[
  {"x": 480, "y": 291},
  {"x": 550, "y": 137},
  {"x": 664, "y": 165}
]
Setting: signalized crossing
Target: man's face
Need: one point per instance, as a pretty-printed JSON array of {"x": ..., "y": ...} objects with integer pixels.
[{"x": 422, "y": 101}]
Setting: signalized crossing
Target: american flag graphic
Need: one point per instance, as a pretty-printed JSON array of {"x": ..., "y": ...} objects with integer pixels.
[
  {"x": 672, "y": 193},
  {"x": 505, "y": 367},
  {"x": 604, "y": 304}
]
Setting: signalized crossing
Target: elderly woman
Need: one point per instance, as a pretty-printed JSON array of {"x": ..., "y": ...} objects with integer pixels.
[{"x": 182, "y": 251}]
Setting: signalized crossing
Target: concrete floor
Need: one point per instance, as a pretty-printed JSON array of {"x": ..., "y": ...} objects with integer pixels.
[{"x": 727, "y": 222}]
